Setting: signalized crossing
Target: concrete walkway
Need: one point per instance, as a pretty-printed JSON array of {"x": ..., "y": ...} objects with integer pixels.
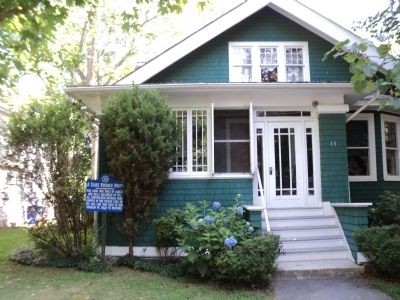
[{"x": 326, "y": 289}]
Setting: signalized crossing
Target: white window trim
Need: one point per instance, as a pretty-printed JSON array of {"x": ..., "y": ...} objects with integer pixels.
[
  {"x": 190, "y": 172},
  {"x": 372, "y": 149},
  {"x": 396, "y": 120},
  {"x": 256, "y": 70}
]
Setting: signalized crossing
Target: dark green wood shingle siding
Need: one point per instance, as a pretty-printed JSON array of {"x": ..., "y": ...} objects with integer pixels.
[
  {"x": 371, "y": 191},
  {"x": 352, "y": 219},
  {"x": 210, "y": 62},
  {"x": 176, "y": 193},
  {"x": 334, "y": 179}
]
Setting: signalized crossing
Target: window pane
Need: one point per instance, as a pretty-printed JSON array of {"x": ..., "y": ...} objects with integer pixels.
[
  {"x": 199, "y": 140},
  {"x": 241, "y": 74},
  {"x": 232, "y": 157},
  {"x": 294, "y": 74},
  {"x": 181, "y": 150},
  {"x": 232, "y": 144},
  {"x": 231, "y": 125},
  {"x": 390, "y": 134},
  {"x": 357, "y": 133},
  {"x": 391, "y": 162},
  {"x": 242, "y": 55},
  {"x": 294, "y": 56},
  {"x": 269, "y": 74},
  {"x": 268, "y": 56},
  {"x": 358, "y": 162},
  {"x": 310, "y": 163}
]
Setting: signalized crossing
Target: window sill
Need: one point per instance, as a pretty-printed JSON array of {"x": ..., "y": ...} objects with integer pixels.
[
  {"x": 362, "y": 178},
  {"x": 391, "y": 178},
  {"x": 211, "y": 176}
]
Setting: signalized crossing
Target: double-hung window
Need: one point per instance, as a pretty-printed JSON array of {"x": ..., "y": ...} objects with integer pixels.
[
  {"x": 192, "y": 153},
  {"x": 390, "y": 147},
  {"x": 268, "y": 62},
  {"x": 361, "y": 148}
]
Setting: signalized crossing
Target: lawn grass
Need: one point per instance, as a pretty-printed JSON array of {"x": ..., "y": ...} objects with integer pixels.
[
  {"x": 22, "y": 282},
  {"x": 10, "y": 239},
  {"x": 389, "y": 287}
]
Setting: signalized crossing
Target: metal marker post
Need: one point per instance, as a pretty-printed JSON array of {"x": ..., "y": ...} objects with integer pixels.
[{"x": 103, "y": 233}]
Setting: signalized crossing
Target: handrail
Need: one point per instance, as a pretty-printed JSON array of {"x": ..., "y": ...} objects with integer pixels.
[{"x": 261, "y": 189}]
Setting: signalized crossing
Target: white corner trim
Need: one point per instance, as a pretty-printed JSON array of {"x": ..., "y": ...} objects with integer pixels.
[
  {"x": 137, "y": 251},
  {"x": 333, "y": 109}
]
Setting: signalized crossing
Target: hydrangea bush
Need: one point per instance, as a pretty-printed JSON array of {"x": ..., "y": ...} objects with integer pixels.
[{"x": 209, "y": 232}]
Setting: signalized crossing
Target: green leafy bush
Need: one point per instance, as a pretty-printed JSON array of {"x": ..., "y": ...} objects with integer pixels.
[
  {"x": 251, "y": 262},
  {"x": 166, "y": 235},
  {"x": 210, "y": 231},
  {"x": 381, "y": 246},
  {"x": 386, "y": 211},
  {"x": 95, "y": 264},
  {"x": 29, "y": 257},
  {"x": 167, "y": 268}
]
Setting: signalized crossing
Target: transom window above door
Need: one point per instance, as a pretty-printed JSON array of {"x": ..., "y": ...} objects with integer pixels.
[{"x": 268, "y": 62}]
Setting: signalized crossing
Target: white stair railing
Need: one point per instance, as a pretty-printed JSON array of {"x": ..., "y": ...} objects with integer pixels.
[{"x": 262, "y": 194}]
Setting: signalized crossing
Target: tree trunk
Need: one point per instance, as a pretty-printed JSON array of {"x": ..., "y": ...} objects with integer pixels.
[{"x": 130, "y": 246}]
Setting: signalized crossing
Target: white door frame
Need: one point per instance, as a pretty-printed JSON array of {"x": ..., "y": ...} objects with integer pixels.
[{"x": 311, "y": 197}]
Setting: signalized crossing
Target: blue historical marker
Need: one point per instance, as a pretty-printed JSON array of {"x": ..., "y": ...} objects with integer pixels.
[{"x": 104, "y": 195}]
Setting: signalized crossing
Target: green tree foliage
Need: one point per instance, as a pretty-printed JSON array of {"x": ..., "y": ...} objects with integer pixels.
[
  {"x": 25, "y": 29},
  {"x": 49, "y": 139},
  {"x": 375, "y": 69},
  {"x": 141, "y": 137},
  {"x": 29, "y": 35}
]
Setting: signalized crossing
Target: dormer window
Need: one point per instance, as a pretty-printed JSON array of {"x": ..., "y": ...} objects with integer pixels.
[{"x": 268, "y": 62}]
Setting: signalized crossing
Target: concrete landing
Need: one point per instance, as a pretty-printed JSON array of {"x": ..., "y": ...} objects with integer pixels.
[
  {"x": 322, "y": 289},
  {"x": 327, "y": 268}
]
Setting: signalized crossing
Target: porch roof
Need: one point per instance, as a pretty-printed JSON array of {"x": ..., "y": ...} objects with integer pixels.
[{"x": 95, "y": 96}]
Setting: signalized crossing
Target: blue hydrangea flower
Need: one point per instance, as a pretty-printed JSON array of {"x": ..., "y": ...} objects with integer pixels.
[
  {"x": 208, "y": 219},
  {"x": 240, "y": 211},
  {"x": 250, "y": 229},
  {"x": 230, "y": 242},
  {"x": 216, "y": 206},
  {"x": 248, "y": 223}
]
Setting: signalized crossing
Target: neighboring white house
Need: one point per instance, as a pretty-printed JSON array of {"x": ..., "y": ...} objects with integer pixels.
[{"x": 16, "y": 208}]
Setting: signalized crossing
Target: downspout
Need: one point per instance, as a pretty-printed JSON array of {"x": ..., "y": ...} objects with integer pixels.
[{"x": 358, "y": 111}]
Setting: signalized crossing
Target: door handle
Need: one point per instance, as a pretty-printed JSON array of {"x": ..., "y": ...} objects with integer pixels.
[{"x": 270, "y": 170}]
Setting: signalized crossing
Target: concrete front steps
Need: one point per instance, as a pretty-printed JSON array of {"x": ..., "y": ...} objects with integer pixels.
[{"x": 313, "y": 243}]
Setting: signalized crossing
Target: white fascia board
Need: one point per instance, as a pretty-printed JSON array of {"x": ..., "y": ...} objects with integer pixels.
[
  {"x": 194, "y": 41},
  {"x": 333, "y": 109}
]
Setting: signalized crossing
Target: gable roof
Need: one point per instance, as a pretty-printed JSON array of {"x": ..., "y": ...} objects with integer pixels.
[{"x": 297, "y": 12}]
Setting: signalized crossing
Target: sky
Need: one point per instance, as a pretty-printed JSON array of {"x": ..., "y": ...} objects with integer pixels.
[{"x": 343, "y": 12}]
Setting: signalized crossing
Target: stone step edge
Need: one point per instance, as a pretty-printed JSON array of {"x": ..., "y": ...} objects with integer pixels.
[
  {"x": 301, "y": 217},
  {"x": 282, "y": 228},
  {"x": 319, "y": 273},
  {"x": 315, "y": 249},
  {"x": 311, "y": 238}
]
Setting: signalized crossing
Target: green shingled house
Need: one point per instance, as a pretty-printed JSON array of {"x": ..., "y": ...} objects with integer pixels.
[{"x": 265, "y": 117}]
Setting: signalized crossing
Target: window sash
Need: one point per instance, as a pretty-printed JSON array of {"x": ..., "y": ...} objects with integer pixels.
[
  {"x": 193, "y": 154},
  {"x": 385, "y": 149},
  {"x": 371, "y": 162}
]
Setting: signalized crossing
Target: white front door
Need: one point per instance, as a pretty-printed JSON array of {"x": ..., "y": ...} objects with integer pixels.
[
  {"x": 287, "y": 156},
  {"x": 284, "y": 167}
]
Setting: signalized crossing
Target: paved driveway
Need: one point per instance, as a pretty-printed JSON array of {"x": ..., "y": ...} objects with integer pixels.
[{"x": 326, "y": 289}]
